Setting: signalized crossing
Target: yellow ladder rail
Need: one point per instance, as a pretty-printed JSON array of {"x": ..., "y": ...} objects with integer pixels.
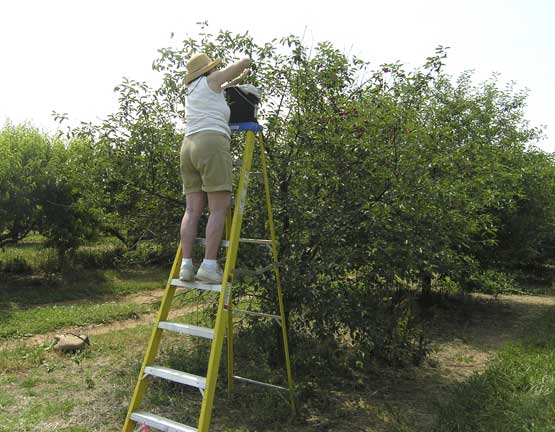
[
  {"x": 276, "y": 271},
  {"x": 216, "y": 350},
  {"x": 154, "y": 342}
]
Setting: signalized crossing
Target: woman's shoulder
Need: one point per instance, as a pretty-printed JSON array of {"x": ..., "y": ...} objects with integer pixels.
[{"x": 197, "y": 83}]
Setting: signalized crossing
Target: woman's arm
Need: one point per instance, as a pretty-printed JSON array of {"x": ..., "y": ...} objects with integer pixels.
[
  {"x": 235, "y": 81},
  {"x": 217, "y": 78}
]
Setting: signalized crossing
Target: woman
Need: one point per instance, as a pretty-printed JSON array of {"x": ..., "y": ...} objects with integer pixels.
[{"x": 205, "y": 160}]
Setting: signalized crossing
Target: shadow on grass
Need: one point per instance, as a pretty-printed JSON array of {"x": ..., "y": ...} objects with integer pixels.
[
  {"x": 81, "y": 285},
  {"x": 23, "y": 291},
  {"x": 483, "y": 322}
]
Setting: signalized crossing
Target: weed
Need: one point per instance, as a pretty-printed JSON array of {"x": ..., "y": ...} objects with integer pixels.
[
  {"x": 6, "y": 400},
  {"x": 89, "y": 382},
  {"x": 29, "y": 382}
]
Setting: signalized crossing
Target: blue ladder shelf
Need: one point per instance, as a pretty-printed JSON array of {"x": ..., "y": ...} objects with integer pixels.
[{"x": 251, "y": 126}]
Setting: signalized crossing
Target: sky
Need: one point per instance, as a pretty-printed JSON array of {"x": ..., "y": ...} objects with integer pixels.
[{"x": 68, "y": 55}]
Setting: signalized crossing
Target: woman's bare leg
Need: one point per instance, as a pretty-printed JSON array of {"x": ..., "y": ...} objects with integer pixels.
[
  {"x": 195, "y": 202},
  {"x": 218, "y": 203}
]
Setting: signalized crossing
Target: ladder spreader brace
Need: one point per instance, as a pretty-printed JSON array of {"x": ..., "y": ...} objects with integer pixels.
[{"x": 224, "y": 316}]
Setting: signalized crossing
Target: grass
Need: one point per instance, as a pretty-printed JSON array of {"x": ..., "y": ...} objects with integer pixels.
[
  {"x": 31, "y": 255},
  {"x": 18, "y": 323},
  {"x": 28, "y": 306},
  {"x": 31, "y": 274},
  {"x": 6, "y": 401},
  {"x": 33, "y": 416},
  {"x": 90, "y": 391},
  {"x": 35, "y": 382},
  {"x": 87, "y": 391},
  {"x": 28, "y": 251},
  {"x": 35, "y": 299},
  {"x": 80, "y": 284},
  {"x": 516, "y": 392}
]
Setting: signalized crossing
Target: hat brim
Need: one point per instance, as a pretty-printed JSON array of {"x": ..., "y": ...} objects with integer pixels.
[{"x": 190, "y": 77}]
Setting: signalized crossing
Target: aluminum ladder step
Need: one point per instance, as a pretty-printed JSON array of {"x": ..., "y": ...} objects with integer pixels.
[
  {"x": 176, "y": 376},
  {"x": 160, "y": 423},
  {"x": 188, "y": 329},
  {"x": 198, "y": 285},
  {"x": 259, "y": 314},
  {"x": 225, "y": 243},
  {"x": 260, "y": 383}
]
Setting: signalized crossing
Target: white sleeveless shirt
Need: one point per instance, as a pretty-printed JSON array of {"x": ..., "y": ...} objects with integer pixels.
[{"x": 205, "y": 109}]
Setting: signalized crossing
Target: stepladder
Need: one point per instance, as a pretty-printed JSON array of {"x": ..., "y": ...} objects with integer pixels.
[{"x": 223, "y": 324}]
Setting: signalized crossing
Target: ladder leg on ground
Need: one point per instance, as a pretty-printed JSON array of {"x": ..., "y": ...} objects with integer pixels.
[
  {"x": 224, "y": 316},
  {"x": 154, "y": 342}
]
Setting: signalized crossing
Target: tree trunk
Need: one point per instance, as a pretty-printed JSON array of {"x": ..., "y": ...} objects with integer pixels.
[{"x": 426, "y": 294}]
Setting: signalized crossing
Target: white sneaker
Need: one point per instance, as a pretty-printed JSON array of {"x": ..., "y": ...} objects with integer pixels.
[
  {"x": 187, "y": 273},
  {"x": 208, "y": 275}
]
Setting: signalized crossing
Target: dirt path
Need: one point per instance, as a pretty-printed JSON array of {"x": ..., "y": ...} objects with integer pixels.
[
  {"x": 97, "y": 329},
  {"x": 473, "y": 342},
  {"x": 462, "y": 345}
]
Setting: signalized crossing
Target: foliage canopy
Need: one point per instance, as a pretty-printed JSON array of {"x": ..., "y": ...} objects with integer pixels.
[{"x": 382, "y": 181}]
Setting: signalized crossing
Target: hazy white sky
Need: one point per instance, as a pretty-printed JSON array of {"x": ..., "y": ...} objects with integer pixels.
[{"x": 68, "y": 55}]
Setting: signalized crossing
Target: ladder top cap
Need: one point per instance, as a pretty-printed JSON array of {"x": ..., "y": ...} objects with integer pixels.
[{"x": 250, "y": 126}]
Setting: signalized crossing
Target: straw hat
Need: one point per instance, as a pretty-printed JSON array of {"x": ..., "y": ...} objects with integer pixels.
[{"x": 198, "y": 65}]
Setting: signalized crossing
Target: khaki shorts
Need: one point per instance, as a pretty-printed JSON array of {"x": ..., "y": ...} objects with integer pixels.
[{"x": 205, "y": 162}]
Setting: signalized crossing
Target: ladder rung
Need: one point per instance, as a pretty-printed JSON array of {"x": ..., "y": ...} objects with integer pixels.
[
  {"x": 225, "y": 243},
  {"x": 260, "y": 314},
  {"x": 160, "y": 423},
  {"x": 202, "y": 241},
  {"x": 257, "y": 241},
  {"x": 198, "y": 285},
  {"x": 250, "y": 381},
  {"x": 176, "y": 376},
  {"x": 187, "y": 329}
]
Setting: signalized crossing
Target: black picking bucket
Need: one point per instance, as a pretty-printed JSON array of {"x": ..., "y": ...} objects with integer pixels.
[{"x": 243, "y": 106}]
